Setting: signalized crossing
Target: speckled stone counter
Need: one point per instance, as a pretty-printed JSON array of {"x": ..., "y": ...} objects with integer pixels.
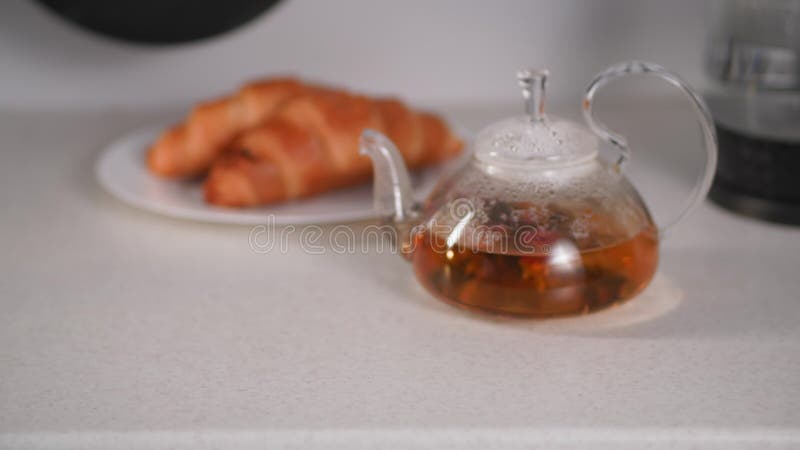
[{"x": 123, "y": 329}]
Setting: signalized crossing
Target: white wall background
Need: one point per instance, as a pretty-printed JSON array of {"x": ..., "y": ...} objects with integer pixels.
[{"x": 431, "y": 52}]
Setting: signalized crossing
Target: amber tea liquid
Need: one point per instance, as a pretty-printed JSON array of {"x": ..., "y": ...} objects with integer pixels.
[{"x": 562, "y": 281}]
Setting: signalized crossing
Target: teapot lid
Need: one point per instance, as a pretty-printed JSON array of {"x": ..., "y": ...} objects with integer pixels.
[{"x": 535, "y": 140}]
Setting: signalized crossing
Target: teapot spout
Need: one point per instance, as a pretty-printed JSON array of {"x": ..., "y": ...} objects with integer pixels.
[{"x": 393, "y": 197}]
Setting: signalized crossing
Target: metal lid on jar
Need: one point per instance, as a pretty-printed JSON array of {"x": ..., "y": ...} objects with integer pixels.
[
  {"x": 755, "y": 44},
  {"x": 535, "y": 140}
]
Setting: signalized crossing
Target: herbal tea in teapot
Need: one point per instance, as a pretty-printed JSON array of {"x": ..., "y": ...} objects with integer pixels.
[
  {"x": 536, "y": 224},
  {"x": 554, "y": 279}
]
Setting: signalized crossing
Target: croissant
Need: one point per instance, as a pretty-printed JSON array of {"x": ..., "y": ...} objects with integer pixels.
[
  {"x": 311, "y": 146},
  {"x": 188, "y": 149}
]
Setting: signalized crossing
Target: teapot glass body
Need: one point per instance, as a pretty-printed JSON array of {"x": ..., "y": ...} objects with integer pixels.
[{"x": 550, "y": 243}]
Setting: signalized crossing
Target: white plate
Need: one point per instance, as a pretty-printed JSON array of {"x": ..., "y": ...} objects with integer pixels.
[{"x": 121, "y": 171}]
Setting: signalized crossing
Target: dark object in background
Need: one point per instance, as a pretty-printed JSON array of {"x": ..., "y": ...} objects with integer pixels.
[
  {"x": 159, "y": 21},
  {"x": 754, "y": 58},
  {"x": 758, "y": 177}
]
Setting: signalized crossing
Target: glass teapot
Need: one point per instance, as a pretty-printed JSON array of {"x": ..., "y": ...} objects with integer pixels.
[{"x": 536, "y": 224}]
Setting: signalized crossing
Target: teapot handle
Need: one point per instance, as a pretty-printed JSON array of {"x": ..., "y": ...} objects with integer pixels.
[{"x": 709, "y": 133}]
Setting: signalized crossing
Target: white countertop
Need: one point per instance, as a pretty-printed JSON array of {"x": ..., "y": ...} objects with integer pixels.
[{"x": 123, "y": 329}]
